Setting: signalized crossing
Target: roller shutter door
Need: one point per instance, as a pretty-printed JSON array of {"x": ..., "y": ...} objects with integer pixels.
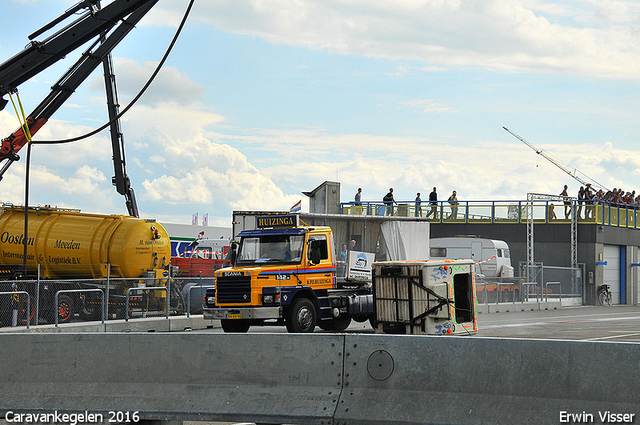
[{"x": 612, "y": 270}]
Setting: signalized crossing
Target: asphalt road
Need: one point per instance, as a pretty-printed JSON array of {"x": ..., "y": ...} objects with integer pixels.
[
  {"x": 580, "y": 323},
  {"x": 583, "y": 323}
]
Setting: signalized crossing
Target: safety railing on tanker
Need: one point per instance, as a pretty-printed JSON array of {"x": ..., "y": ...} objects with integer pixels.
[
  {"x": 201, "y": 288},
  {"x": 46, "y": 295},
  {"x": 500, "y": 211},
  {"x": 142, "y": 289}
]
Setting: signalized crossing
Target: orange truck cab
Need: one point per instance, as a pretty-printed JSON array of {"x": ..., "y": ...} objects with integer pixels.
[{"x": 284, "y": 274}]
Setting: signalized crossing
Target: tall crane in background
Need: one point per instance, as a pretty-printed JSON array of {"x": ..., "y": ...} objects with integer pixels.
[
  {"x": 106, "y": 27},
  {"x": 572, "y": 172}
]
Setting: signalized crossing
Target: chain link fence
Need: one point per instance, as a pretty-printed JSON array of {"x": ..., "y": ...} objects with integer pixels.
[
  {"x": 546, "y": 283},
  {"x": 65, "y": 301}
]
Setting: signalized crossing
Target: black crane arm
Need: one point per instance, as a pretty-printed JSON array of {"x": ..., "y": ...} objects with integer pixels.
[
  {"x": 98, "y": 52},
  {"x": 39, "y": 55}
]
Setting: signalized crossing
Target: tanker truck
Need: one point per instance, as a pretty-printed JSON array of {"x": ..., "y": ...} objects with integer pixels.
[{"x": 69, "y": 250}]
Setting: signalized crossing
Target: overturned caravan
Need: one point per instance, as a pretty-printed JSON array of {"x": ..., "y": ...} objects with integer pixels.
[{"x": 433, "y": 297}]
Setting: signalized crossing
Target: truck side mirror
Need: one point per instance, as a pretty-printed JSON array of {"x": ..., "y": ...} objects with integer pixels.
[{"x": 233, "y": 253}]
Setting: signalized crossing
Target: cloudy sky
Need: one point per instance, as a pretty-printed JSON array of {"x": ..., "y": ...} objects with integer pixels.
[{"x": 261, "y": 100}]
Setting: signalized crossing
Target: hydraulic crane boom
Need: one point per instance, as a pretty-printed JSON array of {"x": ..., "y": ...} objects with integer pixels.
[
  {"x": 120, "y": 179},
  {"x": 99, "y": 24},
  {"x": 573, "y": 173}
]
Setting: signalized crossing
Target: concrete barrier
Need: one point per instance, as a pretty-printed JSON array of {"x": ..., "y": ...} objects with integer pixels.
[
  {"x": 321, "y": 379},
  {"x": 517, "y": 307},
  {"x": 149, "y": 324},
  {"x": 261, "y": 378},
  {"x": 442, "y": 380}
]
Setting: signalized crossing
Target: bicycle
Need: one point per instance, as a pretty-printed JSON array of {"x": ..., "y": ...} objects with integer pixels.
[{"x": 604, "y": 295}]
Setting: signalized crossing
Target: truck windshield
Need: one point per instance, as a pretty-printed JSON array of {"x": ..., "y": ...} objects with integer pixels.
[{"x": 273, "y": 249}]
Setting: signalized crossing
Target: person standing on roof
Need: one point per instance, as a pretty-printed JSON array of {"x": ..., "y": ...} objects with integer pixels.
[
  {"x": 566, "y": 201},
  {"x": 388, "y": 201},
  {"x": 453, "y": 201},
  {"x": 433, "y": 200},
  {"x": 358, "y": 197},
  {"x": 588, "y": 197},
  {"x": 580, "y": 201},
  {"x": 418, "y": 205}
]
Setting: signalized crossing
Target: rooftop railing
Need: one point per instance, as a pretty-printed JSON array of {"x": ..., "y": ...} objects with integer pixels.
[{"x": 502, "y": 211}]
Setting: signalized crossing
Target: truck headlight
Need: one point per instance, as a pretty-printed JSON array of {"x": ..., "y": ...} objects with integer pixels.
[
  {"x": 270, "y": 298},
  {"x": 211, "y": 300}
]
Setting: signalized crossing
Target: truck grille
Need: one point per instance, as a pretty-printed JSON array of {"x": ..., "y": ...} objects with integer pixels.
[{"x": 233, "y": 289}]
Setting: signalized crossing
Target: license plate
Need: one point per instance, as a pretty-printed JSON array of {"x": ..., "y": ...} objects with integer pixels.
[{"x": 234, "y": 316}]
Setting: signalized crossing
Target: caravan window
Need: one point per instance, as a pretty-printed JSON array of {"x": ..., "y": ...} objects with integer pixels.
[
  {"x": 503, "y": 253},
  {"x": 438, "y": 252}
]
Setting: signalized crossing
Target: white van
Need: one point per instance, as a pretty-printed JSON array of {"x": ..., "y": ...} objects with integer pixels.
[{"x": 491, "y": 256}]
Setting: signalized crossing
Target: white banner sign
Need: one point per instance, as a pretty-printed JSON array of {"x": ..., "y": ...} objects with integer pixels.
[{"x": 360, "y": 265}]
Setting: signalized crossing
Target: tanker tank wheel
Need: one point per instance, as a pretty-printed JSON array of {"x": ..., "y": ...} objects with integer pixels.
[
  {"x": 90, "y": 308},
  {"x": 64, "y": 309},
  {"x": 91, "y": 313},
  {"x": 234, "y": 326},
  {"x": 22, "y": 311},
  {"x": 302, "y": 316}
]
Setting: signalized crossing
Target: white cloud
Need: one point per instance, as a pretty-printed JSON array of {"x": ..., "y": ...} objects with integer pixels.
[
  {"x": 428, "y": 105},
  {"x": 170, "y": 85},
  {"x": 205, "y": 172},
  {"x": 509, "y": 35},
  {"x": 167, "y": 119}
]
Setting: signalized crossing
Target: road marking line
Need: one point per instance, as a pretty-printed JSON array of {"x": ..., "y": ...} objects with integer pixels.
[{"x": 611, "y": 337}]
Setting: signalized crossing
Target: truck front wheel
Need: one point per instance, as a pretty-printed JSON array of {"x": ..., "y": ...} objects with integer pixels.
[
  {"x": 234, "y": 326},
  {"x": 302, "y": 316}
]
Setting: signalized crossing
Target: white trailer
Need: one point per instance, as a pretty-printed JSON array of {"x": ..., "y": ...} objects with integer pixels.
[{"x": 492, "y": 257}]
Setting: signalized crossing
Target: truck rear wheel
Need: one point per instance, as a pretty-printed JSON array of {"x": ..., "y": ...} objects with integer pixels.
[
  {"x": 302, "y": 316},
  {"x": 234, "y": 326},
  {"x": 338, "y": 324}
]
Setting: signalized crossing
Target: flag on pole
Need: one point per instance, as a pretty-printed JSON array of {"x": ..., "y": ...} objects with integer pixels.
[
  {"x": 194, "y": 219},
  {"x": 205, "y": 219},
  {"x": 297, "y": 207}
]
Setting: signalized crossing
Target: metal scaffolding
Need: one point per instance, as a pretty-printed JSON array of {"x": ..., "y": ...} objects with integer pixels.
[{"x": 574, "y": 231}]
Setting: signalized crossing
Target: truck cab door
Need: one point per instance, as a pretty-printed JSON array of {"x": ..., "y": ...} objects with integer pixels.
[{"x": 319, "y": 258}]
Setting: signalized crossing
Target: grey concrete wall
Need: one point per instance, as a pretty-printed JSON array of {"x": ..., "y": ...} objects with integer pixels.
[{"x": 318, "y": 379}]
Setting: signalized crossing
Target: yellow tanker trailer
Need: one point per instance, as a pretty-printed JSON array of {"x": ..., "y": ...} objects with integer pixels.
[{"x": 79, "y": 251}]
